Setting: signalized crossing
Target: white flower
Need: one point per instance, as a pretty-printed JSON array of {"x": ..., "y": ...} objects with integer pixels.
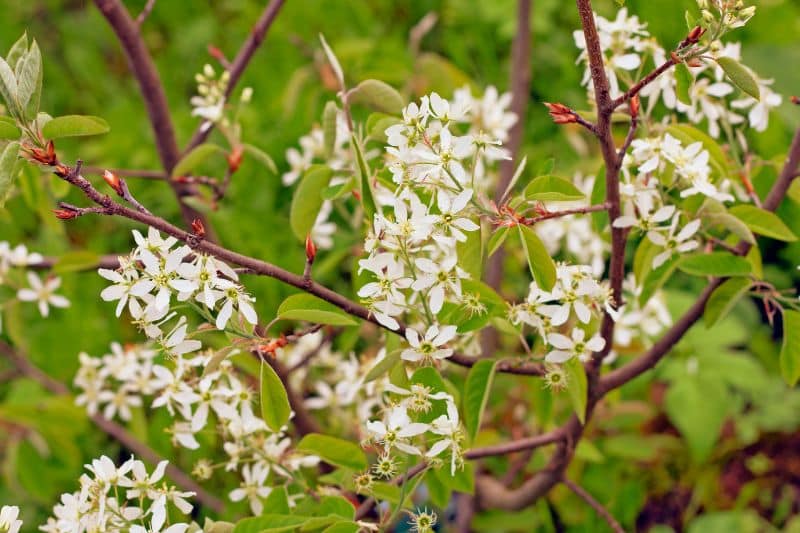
[
  {"x": 428, "y": 349},
  {"x": 253, "y": 479},
  {"x": 9, "y": 523},
  {"x": 447, "y": 426},
  {"x": 143, "y": 485},
  {"x": 567, "y": 348},
  {"x": 235, "y": 297},
  {"x": 396, "y": 430},
  {"x": 42, "y": 293},
  {"x": 448, "y": 219},
  {"x": 672, "y": 243},
  {"x": 126, "y": 284},
  {"x": 158, "y": 519},
  {"x": 439, "y": 278}
]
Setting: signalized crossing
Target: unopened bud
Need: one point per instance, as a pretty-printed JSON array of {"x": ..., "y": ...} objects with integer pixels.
[
  {"x": 61, "y": 170},
  {"x": 113, "y": 181},
  {"x": 44, "y": 156},
  {"x": 311, "y": 249},
  {"x": 216, "y": 53},
  {"x": 694, "y": 62},
  {"x": 235, "y": 158},
  {"x": 634, "y": 106},
  {"x": 357, "y": 194},
  {"x": 247, "y": 95},
  {"x": 695, "y": 34},
  {"x": 65, "y": 214},
  {"x": 795, "y": 100},
  {"x": 198, "y": 228},
  {"x": 561, "y": 114}
]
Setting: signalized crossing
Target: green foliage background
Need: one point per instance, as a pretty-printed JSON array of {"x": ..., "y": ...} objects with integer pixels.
[{"x": 653, "y": 477}]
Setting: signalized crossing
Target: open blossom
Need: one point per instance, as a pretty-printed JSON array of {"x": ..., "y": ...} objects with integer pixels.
[
  {"x": 9, "y": 522},
  {"x": 429, "y": 348},
  {"x": 566, "y": 348},
  {"x": 396, "y": 430},
  {"x": 448, "y": 427},
  {"x": 253, "y": 487},
  {"x": 673, "y": 243},
  {"x": 439, "y": 279},
  {"x": 42, "y": 293}
]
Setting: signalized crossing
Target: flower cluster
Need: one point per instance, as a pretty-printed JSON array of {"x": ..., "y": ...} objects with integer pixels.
[
  {"x": 402, "y": 429},
  {"x": 195, "y": 395},
  {"x": 156, "y": 271},
  {"x": 14, "y": 262},
  {"x": 117, "y": 499},
  {"x": 209, "y": 103}
]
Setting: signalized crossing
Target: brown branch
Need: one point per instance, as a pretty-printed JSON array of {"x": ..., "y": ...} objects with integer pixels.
[
  {"x": 594, "y": 504},
  {"x": 128, "y": 172},
  {"x": 527, "y": 443},
  {"x": 152, "y": 91},
  {"x": 634, "y": 90},
  {"x": 114, "y": 430},
  {"x": 564, "y": 212},
  {"x": 241, "y": 61},
  {"x": 520, "y": 80},
  {"x": 105, "y": 261},
  {"x": 148, "y": 8}
]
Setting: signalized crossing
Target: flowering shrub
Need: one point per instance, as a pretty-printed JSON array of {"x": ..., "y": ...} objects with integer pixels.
[{"x": 470, "y": 356}]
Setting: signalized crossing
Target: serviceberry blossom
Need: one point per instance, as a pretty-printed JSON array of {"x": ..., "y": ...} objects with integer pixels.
[
  {"x": 43, "y": 293},
  {"x": 577, "y": 346},
  {"x": 9, "y": 521},
  {"x": 672, "y": 242},
  {"x": 429, "y": 348}
]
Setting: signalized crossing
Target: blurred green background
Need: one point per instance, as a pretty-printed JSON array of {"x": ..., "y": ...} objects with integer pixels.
[{"x": 86, "y": 73}]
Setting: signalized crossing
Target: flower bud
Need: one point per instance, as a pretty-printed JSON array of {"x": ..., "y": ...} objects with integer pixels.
[
  {"x": 795, "y": 100},
  {"x": 634, "y": 106},
  {"x": 695, "y": 34},
  {"x": 113, "y": 181},
  {"x": 247, "y": 95},
  {"x": 235, "y": 159},
  {"x": 198, "y": 228},
  {"x": 311, "y": 249},
  {"x": 65, "y": 214},
  {"x": 561, "y": 114}
]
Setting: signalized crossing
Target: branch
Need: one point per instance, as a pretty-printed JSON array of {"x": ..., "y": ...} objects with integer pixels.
[
  {"x": 241, "y": 61},
  {"x": 148, "y": 8},
  {"x": 518, "y": 445},
  {"x": 115, "y": 431},
  {"x": 565, "y": 212},
  {"x": 634, "y": 90},
  {"x": 152, "y": 91},
  {"x": 594, "y": 504}
]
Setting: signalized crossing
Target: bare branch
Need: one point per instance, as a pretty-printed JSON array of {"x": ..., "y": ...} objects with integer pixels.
[
  {"x": 594, "y": 504},
  {"x": 148, "y": 8}
]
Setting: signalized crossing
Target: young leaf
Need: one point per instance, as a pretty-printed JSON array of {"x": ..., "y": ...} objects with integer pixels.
[
  {"x": 367, "y": 198},
  {"x": 307, "y": 200},
  {"x": 684, "y": 82},
  {"x": 541, "y": 265},
  {"x": 721, "y": 264},
  {"x": 8, "y": 88},
  {"x": 496, "y": 240},
  {"x": 699, "y": 426},
  {"x": 270, "y": 522},
  {"x": 333, "y": 60},
  {"x": 740, "y": 76},
  {"x": 309, "y": 308},
  {"x": 598, "y": 196},
  {"x": 17, "y": 50},
  {"x": 517, "y": 173},
  {"x": 470, "y": 253},
  {"x": 377, "y": 95},
  {"x": 714, "y": 213},
  {"x": 790, "y": 351},
  {"x": 329, "y": 127},
  {"x": 8, "y": 161},
  {"x": 763, "y": 222},
  {"x": 74, "y": 126},
  {"x": 552, "y": 189},
  {"x": 9, "y": 129},
  {"x": 29, "y": 81},
  {"x": 577, "y": 387},
  {"x": 193, "y": 159},
  {"x": 261, "y": 156},
  {"x": 383, "y": 366},
  {"x": 656, "y": 279},
  {"x": 723, "y": 299},
  {"x": 378, "y": 123},
  {"x": 334, "y": 451},
  {"x": 275, "y": 408},
  {"x": 476, "y": 394}
]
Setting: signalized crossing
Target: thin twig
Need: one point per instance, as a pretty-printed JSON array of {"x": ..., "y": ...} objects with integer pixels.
[
  {"x": 594, "y": 504},
  {"x": 634, "y": 90},
  {"x": 128, "y": 172},
  {"x": 114, "y": 430},
  {"x": 564, "y": 212},
  {"x": 148, "y": 8}
]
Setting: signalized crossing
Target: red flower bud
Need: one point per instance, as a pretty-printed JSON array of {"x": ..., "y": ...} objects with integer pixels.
[
  {"x": 198, "y": 228},
  {"x": 561, "y": 114},
  {"x": 795, "y": 100},
  {"x": 311, "y": 249},
  {"x": 695, "y": 34},
  {"x": 235, "y": 159},
  {"x": 634, "y": 106},
  {"x": 113, "y": 181},
  {"x": 65, "y": 214}
]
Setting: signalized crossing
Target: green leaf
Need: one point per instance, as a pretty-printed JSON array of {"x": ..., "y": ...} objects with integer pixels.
[
  {"x": 467, "y": 319},
  {"x": 276, "y": 502},
  {"x": 698, "y": 408},
  {"x": 29, "y": 81},
  {"x": 598, "y": 196},
  {"x": 577, "y": 387},
  {"x": 329, "y": 126},
  {"x": 261, "y": 156},
  {"x": 9, "y": 129},
  {"x": 713, "y": 213},
  {"x": 307, "y": 200},
  {"x": 790, "y": 351},
  {"x": 763, "y": 222},
  {"x": 8, "y": 88},
  {"x": 476, "y": 394},
  {"x": 656, "y": 279},
  {"x": 74, "y": 126},
  {"x": 540, "y": 263},
  {"x": 367, "y": 198},
  {"x": 334, "y": 451},
  {"x": 309, "y": 308},
  {"x": 643, "y": 259},
  {"x": 720, "y": 264},
  {"x": 76, "y": 261},
  {"x": 8, "y": 163},
  {"x": 377, "y": 95},
  {"x": 684, "y": 81},
  {"x": 497, "y": 239},
  {"x": 275, "y": 408},
  {"x": 723, "y": 299},
  {"x": 271, "y": 523},
  {"x": 470, "y": 253},
  {"x": 197, "y": 156},
  {"x": 17, "y": 50},
  {"x": 378, "y": 123},
  {"x": 552, "y": 189},
  {"x": 345, "y": 526},
  {"x": 383, "y": 366},
  {"x": 740, "y": 76}
]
